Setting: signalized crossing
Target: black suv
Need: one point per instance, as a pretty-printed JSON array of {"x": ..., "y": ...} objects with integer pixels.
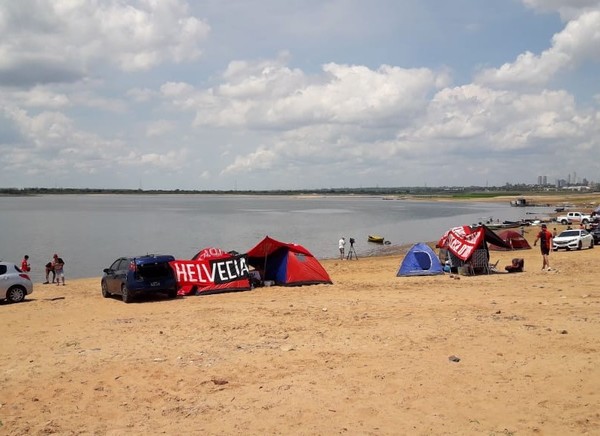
[
  {"x": 130, "y": 276},
  {"x": 596, "y": 235}
]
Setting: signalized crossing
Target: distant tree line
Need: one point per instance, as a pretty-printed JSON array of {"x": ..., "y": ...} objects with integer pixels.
[{"x": 443, "y": 191}]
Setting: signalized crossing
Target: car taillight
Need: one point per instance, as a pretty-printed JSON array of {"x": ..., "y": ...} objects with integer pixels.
[
  {"x": 132, "y": 266},
  {"x": 25, "y": 276}
]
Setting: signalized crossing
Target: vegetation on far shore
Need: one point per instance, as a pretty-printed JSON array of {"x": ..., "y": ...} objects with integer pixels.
[{"x": 458, "y": 193}]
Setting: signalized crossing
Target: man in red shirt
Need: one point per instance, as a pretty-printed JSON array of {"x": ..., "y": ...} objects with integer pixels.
[{"x": 545, "y": 238}]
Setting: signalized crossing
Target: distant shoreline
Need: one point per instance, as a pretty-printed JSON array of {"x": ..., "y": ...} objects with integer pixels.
[
  {"x": 474, "y": 194},
  {"x": 577, "y": 199}
]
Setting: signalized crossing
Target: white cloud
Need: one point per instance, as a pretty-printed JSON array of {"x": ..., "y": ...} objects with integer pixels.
[
  {"x": 275, "y": 95},
  {"x": 491, "y": 120},
  {"x": 170, "y": 161},
  {"x": 568, "y": 9},
  {"x": 159, "y": 128},
  {"x": 64, "y": 41},
  {"x": 459, "y": 125},
  {"x": 141, "y": 95},
  {"x": 40, "y": 97},
  {"x": 261, "y": 159},
  {"x": 576, "y": 44}
]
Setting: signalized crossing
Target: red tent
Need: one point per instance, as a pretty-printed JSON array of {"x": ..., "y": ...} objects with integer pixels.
[
  {"x": 514, "y": 239},
  {"x": 212, "y": 270},
  {"x": 286, "y": 264}
]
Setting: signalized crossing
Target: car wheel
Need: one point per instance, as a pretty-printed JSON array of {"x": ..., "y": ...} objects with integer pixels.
[
  {"x": 127, "y": 294},
  {"x": 105, "y": 292},
  {"x": 564, "y": 222},
  {"x": 592, "y": 243},
  {"x": 173, "y": 294},
  {"x": 16, "y": 294},
  {"x": 579, "y": 245}
]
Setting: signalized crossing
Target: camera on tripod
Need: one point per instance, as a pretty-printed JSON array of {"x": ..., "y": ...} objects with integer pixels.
[{"x": 352, "y": 251}]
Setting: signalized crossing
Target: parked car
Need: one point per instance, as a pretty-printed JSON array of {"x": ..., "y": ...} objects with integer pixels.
[
  {"x": 574, "y": 217},
  {"x": 14, "y": 283},
  {"x": 596, "y": 235},
  {"x": 573, "y": 240},
  {"x": 131, "y": 276}
]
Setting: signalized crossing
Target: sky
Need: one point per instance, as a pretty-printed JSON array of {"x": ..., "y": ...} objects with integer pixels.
[{"x": 297, "y": 94}]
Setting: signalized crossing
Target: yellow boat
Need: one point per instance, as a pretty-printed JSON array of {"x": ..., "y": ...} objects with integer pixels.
[{"x": 376, "y": 238}]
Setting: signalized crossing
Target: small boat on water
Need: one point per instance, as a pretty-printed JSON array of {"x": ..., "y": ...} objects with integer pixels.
[
  {"x": 376, "y": 238},
  {"x": 507, "y": 225}
]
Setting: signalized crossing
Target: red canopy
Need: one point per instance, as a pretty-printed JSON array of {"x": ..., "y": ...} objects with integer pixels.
[{"x": 463, "y": 241}]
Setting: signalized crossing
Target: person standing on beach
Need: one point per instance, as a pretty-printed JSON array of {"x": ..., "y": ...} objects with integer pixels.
[
  {"x": 25, "y": 267},
  {"x": 341, "y": 246},
  {"x": 50, "y": 269},
  {"x": 59, "y": 265},
  {"x": 545, "y": 238}
]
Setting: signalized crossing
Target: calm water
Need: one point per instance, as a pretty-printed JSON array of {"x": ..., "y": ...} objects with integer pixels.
[{"x": 90, "y": 231}]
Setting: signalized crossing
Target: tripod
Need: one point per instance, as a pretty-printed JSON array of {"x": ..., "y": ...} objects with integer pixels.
[{"x": 351, "y": 252}]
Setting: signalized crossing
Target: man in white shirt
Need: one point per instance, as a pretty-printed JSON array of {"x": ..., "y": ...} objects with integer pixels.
[{"x": 342, "y": 245}]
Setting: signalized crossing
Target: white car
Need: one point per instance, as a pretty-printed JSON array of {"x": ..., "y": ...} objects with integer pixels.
[
  {"x": 14, "y": 283},
  {"x": 573, "y": 239}
]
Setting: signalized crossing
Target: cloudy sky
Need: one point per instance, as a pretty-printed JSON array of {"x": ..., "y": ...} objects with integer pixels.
[{"x": 297, "y": 94}]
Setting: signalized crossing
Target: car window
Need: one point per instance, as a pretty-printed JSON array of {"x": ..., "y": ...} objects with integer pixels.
[
  {"x": 124, "y": 264},
  {"x": 155, "y": 270},
  {"x": 2, "y": 269},
  {"x": 115, "y": 265},
  {"x": 569, "y": 233}
]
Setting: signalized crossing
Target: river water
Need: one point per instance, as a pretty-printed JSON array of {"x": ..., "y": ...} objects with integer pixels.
[{"x": 90, "y": 231}]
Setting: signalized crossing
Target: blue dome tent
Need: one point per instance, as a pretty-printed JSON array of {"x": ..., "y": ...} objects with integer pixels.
[{"x": 420, "y": 261}]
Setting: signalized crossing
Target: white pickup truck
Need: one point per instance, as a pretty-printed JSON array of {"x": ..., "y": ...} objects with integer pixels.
[{"x": 574, "y": 217}]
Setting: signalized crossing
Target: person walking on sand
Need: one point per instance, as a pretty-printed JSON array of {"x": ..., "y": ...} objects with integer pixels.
[
  {"x": 59, "y": 266},
  {"x": 341, "y": 246},
  {"x": 545, "y": 238},
  {"x": 25, "y": 267}
]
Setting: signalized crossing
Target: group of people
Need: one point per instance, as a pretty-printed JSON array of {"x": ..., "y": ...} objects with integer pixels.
[{"x": 56, "y": 268}]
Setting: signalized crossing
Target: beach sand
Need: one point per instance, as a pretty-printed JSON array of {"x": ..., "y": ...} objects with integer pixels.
[{"x": 370, "y": 354}]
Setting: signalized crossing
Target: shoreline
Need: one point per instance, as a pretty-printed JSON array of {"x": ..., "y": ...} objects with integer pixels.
[{"x": 578, "y": 198}]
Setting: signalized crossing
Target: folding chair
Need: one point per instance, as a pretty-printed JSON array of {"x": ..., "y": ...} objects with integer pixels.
[
  {"x": 494, "y": 266},
  {"x": 455, "y": 262},
  {"x": 480, "y": 261}
]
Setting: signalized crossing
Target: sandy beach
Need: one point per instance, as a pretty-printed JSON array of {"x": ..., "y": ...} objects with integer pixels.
[{"x": 370, "y": 354}]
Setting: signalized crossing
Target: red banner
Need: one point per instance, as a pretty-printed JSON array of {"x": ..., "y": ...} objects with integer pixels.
[
  {"x": 212, "y": 270},
  {"x": 462, "y": 241}
]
